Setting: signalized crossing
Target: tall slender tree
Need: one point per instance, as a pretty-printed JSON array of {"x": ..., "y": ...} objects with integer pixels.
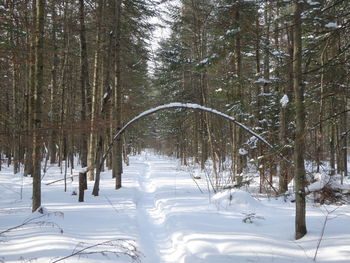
[
  {"x": 84, "y": 82},
  {"x": 299, "y": 145},
  {"x": 117, "y": 159},
  {"x": 95, "y": 92},
  {"x": 37, "y": 111}
]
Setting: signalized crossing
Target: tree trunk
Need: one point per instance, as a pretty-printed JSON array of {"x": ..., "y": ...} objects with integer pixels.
[
  {"x": 94, "y": 96},
  {"x": 104, "y": 111},
  {"x": 117, "y": 158},
  {"x": 54, "y": 87},
  {"x": 332, "y": 151},
  {"x": 28, "y": 168},
  {"x": 84, "y": 82},
  {"x": 319, "y": 150},
  {"x": 284, "y": 133},
  {"x": 37, "y": 118},
  {"x": 16, "y": 124},
  {"x": 299, "y": 176},
  {"x": 82, "y": 184},
  {"x": 283, "y": 136},
  {"x": 343, "y": 138},
  {"x": 241, "y": 159}
]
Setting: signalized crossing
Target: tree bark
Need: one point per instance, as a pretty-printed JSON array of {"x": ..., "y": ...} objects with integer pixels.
[
  {"x": 104, "y": 111},
  {"x": 319, "y": 138},
  {"x": 16, "y": 124},
  {"x": 28, "y": 166},
  {"x": 94, "y": 96},
  {"x": 84, "y": 81},
  {"x": 54, "y": 87},
  {"x": 241, "y": 159},
  {"x": 82, "y": 184},
  {"x": 283, "y": 136},
  {"x": 117, "y": 159},
  {"x": 299, "y": 176},
  {"x": 37, "y": 118},
  {"x": 332, "y": 150},
  {"x": 284, "y": 133}
]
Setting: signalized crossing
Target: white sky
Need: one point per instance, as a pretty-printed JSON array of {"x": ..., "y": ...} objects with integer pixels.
[{"x": 161, "y": 32}]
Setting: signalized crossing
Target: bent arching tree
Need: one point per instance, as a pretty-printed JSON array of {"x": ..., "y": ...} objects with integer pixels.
[{"x": 99, "y": 162}]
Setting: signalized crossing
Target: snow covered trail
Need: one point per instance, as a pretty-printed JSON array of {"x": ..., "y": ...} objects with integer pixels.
[
  {"x": 144, "y": 201},
  {"x": 167, "y": 218},
  {"x": 178, "y": 224},
  {"x": 153, "y": 235}
]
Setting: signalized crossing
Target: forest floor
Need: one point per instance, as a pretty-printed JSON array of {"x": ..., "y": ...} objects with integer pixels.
[{"x": 161, "y": 212}]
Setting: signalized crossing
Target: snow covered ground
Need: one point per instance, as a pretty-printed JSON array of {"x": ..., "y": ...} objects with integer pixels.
[{"x": 161, "y": 212}]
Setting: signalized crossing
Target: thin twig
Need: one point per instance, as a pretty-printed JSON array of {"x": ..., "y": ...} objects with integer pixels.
[
  {"x": 299, "y": 246},
  {"x": 323, "y": 230},
  {"x": 25, "y": 222},
  {"x": 111, "y": 243},
  {"x": 194, "y": 180},
  {"x": 59, "y": 180},
  {"x": 30, "y": 221},
  {"x": 109, "y": 201},
  {"x": 80, "y": 251}
]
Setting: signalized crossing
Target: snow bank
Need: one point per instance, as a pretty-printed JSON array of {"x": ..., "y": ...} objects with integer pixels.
[{"x": 235, "y": 198}]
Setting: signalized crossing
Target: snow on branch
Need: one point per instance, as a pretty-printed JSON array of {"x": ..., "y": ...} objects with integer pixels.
[{"x": 186, "y": 106}]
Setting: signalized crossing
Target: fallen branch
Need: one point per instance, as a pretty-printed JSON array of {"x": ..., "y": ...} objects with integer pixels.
[
  {"x": 59, "y": 180},
  {"x": 117, "y": 247},
  {"x": 33, "y": 221},
  {"x": 85, "y": 170}
]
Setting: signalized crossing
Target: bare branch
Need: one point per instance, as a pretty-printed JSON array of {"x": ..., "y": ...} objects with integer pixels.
[
  {"x": 323, "y": 230},
  {"x": 33, "y": 221},
  {"x": 117, "y": 247}
]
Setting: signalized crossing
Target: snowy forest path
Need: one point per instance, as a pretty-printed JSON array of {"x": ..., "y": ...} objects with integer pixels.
[{"x": 148, "y": 215}]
